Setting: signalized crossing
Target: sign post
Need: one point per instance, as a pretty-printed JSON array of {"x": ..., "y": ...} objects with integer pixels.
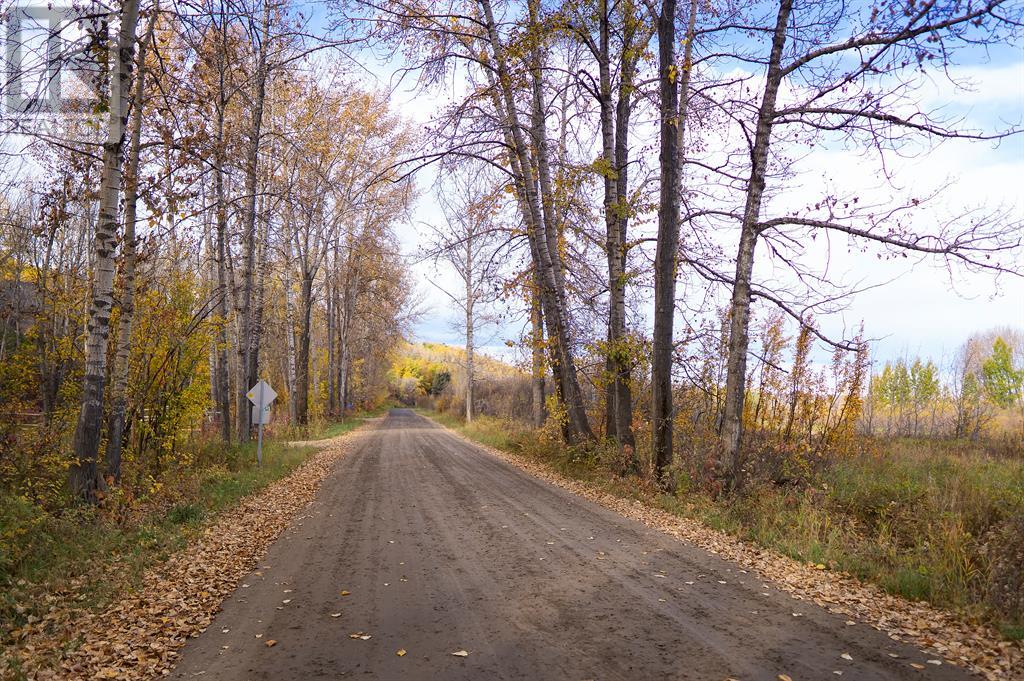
[{"x": 261, "y": 395}]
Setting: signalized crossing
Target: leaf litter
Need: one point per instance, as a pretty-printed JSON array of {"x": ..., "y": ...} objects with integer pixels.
[
  {"x": 977, "y": 647},
  {"x": 139, "y": 636}
]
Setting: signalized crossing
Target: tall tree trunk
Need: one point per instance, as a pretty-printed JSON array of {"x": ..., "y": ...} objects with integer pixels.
[
  {"x": 302, "y": 355},
  {"x": 211, "y": 255},
  {"x": 332, "y": 339},
  {"x": 259, "y": 302},
  {"x": 539, "y": 231},
  {"x": 665, "y": 258},
  {"x": 732, "y": 415},
  {"x": 84, "y": 478},
  {"x": 615, "y": 146},
  {"x": 224, "y": 283},
  {"x": 673, "y": 111},
  {"x": 350, "y": 311},
  {"x": 537, "y": 355},
  {"x": 119, "y": 384},
  {"x": 612, "y": 245},
  {"x": 470, "y": 322},
  {"x": 470, "y": 377},
  {"x": 289, "y": 301},
  {"x": 248, "y": 341},
  {"x": 347, "y": 309},
  {"x": 572, "y": 396}
]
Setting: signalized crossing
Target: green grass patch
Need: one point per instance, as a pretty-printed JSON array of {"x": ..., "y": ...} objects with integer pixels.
[
  {"x": 1013, "y": 632},
  {"x": 325, "y": 431}
]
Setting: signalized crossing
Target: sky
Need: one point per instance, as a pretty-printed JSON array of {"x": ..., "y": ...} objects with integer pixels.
[{"x": 911, "y": 308}]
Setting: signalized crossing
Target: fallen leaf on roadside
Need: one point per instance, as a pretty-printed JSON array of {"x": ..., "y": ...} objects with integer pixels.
[
  {"x": 271, "y": 643},
  {"x": 847, "y": 656},
  {"x": 916, "y": 665},
  {"x": 335, "y": 614},
  {"x": 460, "y": 653},
  {"x": 935, "y": 662},
  {"x": 345, "y": 593},
  {"x": 785, "y": 677},
  {"x": 287, "y": 601},
  {"x": 401, "y": 652},
  {"x": 138, "y": 635},
  {"x": 978, "y": 647}
]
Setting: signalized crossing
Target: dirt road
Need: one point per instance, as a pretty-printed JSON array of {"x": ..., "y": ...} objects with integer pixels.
[{"x": 443, "y": 548}]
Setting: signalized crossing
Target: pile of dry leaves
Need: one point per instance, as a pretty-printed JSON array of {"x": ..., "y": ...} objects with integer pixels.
[
  {"x": 977, "y": 648},
  {"x": 138, "y": 636}
]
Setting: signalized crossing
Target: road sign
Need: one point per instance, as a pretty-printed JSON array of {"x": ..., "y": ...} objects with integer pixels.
[
  {"x": 261, "y": 394},
  {"x": 260, "y": 416}
]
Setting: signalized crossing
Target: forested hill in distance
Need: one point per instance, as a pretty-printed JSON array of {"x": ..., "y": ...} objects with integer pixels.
[
  {"x": 454, "y": 359},
  {"x": 435, "y": 374}
]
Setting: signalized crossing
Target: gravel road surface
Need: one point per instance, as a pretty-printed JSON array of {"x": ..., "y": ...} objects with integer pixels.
[{"x": 442, "y": 548}]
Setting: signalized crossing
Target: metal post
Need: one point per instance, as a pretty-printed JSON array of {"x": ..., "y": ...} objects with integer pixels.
[{"x": 259, "y": 438}]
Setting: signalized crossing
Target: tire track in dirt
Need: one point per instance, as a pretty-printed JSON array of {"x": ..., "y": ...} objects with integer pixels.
[{"x": 445, "y": 547}]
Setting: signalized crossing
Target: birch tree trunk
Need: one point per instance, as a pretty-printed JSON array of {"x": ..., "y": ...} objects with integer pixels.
[
  {"x": 736, "y": 366},
  {"x": 289, "y": 301},
  {"x": 119, "y": 384},
  {"x": 248, "y": 340},
  {"x": 222, "y": 393},
  {"x": 83, "y": 475}
]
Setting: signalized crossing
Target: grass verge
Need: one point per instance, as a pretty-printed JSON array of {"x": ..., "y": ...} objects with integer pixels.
[
  {"x": 88, "y": 556},
  {"x": 922, "y": 525},
  {"x": 341, "y": 427}
]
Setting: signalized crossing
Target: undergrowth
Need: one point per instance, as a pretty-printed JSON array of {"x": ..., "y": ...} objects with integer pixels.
[
  {"x": 921, "y": 524},
  {"x": 91, "y": 554}
]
